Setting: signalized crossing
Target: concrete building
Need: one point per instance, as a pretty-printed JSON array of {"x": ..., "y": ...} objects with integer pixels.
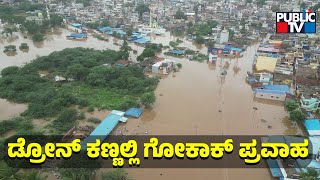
[
  {"x": 213, "y": 57},
  {"x": 163, "y": 67},
  {"x": 224, "y": 36},
  {"x": 272, "y": 92},
  {"x": 264, "y": 63}
]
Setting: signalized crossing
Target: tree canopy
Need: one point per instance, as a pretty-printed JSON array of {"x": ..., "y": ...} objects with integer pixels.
[
  {"x": 90, "y": 80},
  {"x": 141, "y": 8}
]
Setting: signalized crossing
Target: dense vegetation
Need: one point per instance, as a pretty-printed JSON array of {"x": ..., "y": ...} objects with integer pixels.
[
  {"x": 10, "y": 48},
  {"x": 87, "y": 82},
  {"x": 201, "y": 29},
  {"x": 150, "y": 51},
  {"x": 295, "y": 112},
  {"x": 23, "y": 46}
]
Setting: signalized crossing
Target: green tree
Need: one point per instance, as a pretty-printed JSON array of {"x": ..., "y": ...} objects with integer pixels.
[
  {"x": 311, "y": 174},
  {"x": 38, "y": 37},
  {"x": 292, "y": 105},
  {"x": 55, "y": 20},
  {"x": 23, "y": 46},
  {"x": 129, "y": 32},
  {"x": 10, "y": 48},
  {"x": 248, "y": 1},
  {"x": 210, "y": 44},
  {"x": 105, "y": 23},
  {"x": 231, "y": 34},
  {"x": 260, "y": 3},
  {"x": 148, "y": 99},
  {"x": 11, "y": 70},
  {"x": 212, "y": 23},
  {"x": 7, "y": 172},
  {"x": 78, "y": 72},
  {"x": 297, "y": 115},
  {"x": 199, "y": 39},
  {"x": 9, "y": 30},
  {"x": 179, "y": 15},
  {"x": 147, "y": 52},
  {"x": 118, "y": 174},
  {"x": 124, "y": 50},
  {"x": 141, "y": 8}
]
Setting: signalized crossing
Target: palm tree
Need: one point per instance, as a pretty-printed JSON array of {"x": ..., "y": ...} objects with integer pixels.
[
  {"x": 311, "y": 174},
  {"x": 9, "y": 173}
]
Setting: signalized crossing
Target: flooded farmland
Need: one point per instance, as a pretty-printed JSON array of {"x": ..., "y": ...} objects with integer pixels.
[{"x": 197, "y": 100}]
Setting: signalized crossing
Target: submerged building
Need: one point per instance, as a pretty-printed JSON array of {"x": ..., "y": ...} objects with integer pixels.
[{"x": 272, "y": 92}]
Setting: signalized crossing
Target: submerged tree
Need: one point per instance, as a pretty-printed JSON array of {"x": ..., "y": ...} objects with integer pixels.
[
  {"x": 292, "y": 105},
  {"x": 297, "y": 115},
  {"x": 148, "y": 99},
  {"x": 9, "y": 30},
  {"x": 23, "y": 46},
  {"x": 124, "y": 50},
  {"x": 10, "y": 48}
]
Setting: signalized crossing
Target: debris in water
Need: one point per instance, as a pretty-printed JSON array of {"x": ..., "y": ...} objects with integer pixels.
[
  {"x": 220, "y": 111},
  {"x": 263, "y": 120},
  {"x": 160, "y": 94},
  {"x": 255, "y": 108},
  {"x": 269, "y": 127}
]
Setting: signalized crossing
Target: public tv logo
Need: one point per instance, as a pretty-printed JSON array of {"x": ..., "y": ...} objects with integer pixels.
[{"x": 296, "y": 22}]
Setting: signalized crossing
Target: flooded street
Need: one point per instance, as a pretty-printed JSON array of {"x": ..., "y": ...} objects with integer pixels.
[
  {"x": 198, "y": 101},
  {"x": 194, "y": 101}
]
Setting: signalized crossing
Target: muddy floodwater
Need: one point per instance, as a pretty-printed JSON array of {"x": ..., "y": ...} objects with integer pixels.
[
  {"x": 197, "y": 100},
  {"x": 9, "y": 110}
]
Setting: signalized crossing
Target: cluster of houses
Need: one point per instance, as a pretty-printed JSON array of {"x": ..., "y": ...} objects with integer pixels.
[{"x": 292, "y": 62}]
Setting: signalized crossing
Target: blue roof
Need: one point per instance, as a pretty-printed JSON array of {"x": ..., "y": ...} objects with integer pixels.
[
  {"x": 142, "y": 40},
  {"x": 78, "y": 35},
  {"x": 274, "y": 168},
  {"x": 134, "y": 112},
  {"x": 178, "y": 52},
  {"x": 103, "y": 129},
  {"x": 307, "y": 56},
  {"x": 227, "y": 48},
  {"x": 76, "y": 25},
  {"x": 312, "y": 124},
  {"x": 236, "y": 49},
  {"x": 274, "y": 89},
  {"x": 103, "y": 29},
  {"x": 314, "y": 164}
]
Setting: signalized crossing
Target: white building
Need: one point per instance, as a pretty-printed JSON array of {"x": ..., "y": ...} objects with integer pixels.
[
  {"x": 212, "y": 57},
  {"x": 224, "y": 36},
  {"x": 163, "y": 67}
]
